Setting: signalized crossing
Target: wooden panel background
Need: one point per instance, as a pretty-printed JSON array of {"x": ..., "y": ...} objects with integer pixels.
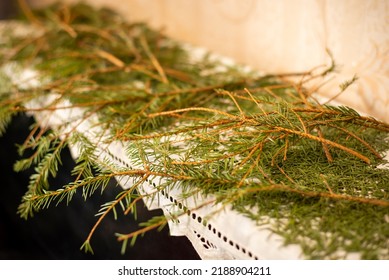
[{"x": 284, "y": 36}]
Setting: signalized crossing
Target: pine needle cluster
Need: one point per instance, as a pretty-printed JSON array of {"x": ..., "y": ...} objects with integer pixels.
[{"x": 261, "y": 144}]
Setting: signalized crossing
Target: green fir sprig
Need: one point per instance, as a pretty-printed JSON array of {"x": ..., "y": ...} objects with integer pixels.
[{"x": 260, "y": 144}]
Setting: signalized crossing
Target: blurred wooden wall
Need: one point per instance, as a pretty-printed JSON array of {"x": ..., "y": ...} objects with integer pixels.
[{"x": 284, "y": 36}]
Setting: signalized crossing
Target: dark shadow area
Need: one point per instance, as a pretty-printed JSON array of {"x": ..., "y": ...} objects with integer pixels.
[
  {"x": 8, "y": 9},
  {"x": 58, "y": 232}
]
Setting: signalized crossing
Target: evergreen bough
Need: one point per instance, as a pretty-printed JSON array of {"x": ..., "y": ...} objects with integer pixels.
[{"x": 262, "y": 144}]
